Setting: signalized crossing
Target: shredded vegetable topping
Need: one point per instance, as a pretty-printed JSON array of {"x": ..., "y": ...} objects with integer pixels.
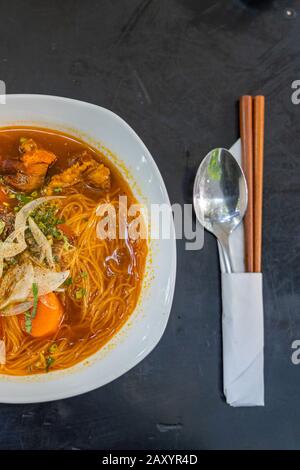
[
  {"x": 42, "y": 242},
  {"x": 33, "y": 282},
  {"x": 21, "y": 290}
]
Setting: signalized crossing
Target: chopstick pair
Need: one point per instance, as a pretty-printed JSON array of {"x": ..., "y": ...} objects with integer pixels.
[{"x": 252, "y": 116}]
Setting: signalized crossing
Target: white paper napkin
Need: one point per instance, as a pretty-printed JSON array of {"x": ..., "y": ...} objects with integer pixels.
[{"x": 242, "y": 325}]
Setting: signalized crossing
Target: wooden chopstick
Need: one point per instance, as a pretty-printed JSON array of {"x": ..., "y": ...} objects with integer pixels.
[
  {"x": 259, "y": 123},
  {"x": 246, "y": 129}
]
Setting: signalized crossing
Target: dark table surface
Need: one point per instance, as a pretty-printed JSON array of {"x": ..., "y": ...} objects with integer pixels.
[{"x": 174, "y": 69}]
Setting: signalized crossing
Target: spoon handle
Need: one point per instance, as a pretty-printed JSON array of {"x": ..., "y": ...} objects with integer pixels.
[{"x": 225, "y": 250}]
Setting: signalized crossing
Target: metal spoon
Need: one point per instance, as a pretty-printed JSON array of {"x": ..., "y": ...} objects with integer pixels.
[{"x": 220, "y": 197}]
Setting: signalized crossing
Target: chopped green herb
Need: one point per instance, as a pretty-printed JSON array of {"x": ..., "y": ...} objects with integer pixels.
[
  {"x": 84, "y": 274},
  {"x": 2, "y": 226},
  {"x": 34, "y": 194},
  {"x": 43, "y": 227},
  {"x": 35, "y": 292},
  {"x": 68, "y": 282},
  {"x": 28, "y": 322},
  {"x": 80, "y": 293},
  {"x": 49, "y": 362},
  {"x": 53, "y": 348},
  {"x": 57, "y": 190},
  {"x": 29, "y": 316},
  {"x": 17, "y": 208},
  {"x": 56, "y": 233},
  {"x": 46, "y": 218},
  {"x": 23, "y": 199},
  {"x": 67, "y": 244}
]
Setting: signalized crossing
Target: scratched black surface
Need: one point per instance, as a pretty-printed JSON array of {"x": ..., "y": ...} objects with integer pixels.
[{"x": 174, "y": 69}]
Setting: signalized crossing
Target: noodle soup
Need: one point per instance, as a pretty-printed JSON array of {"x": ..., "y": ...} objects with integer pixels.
[{"x": 64, "y": 291}]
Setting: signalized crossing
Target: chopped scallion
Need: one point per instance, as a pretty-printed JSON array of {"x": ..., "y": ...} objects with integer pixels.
[
  {"x": 53, "y": 348},
  {"x": 49, "y": 362},
  {"x": 28, "y": 322},
  {"x": 35, "y": 292},
  {"x": 68, "y": 282},
  {"x": 23, "y": 199},
  {"x": 80, "y": 293}
]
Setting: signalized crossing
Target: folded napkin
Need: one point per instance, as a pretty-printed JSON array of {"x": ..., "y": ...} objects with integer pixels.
[{"x": 242, "y": 325}]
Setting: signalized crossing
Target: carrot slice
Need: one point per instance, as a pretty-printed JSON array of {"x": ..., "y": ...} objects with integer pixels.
[{"x": 48, "y": 317}]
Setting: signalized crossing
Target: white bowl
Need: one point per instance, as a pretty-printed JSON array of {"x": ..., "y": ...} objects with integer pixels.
[{"x": 140, "y": 335}]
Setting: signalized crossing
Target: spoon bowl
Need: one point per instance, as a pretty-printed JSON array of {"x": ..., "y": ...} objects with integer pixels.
[{"x": 220, "y": 197}]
